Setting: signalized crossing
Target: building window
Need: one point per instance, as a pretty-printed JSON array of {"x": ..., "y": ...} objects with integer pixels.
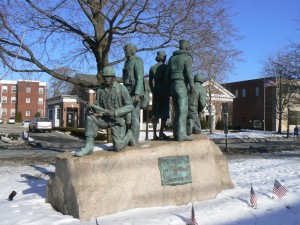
[
  {"x": 27, "y": 112},
  {"x": 40, "y": 101},
  {"x": 4, "y": 112},
  {"x": 244, "y": 92},
  {"x": 28, "y": 89},
  {"x": 41, "y": 112},
  {"x": 257, "y": 91},
  {"x": 4, "y": 89},
  {"x": 27, "y": 100},
  {"x": 13, "y": 89},
  {"x": 58, "y": 114},
  {"x": 13, "y": 99},
  {"x": 13, "y": 112},
  {"x": 41, "y": 91},
  {"x": 4, "y": 99},
  {"x": 50, "y": 114},
  {"x": 236, "y": 93}
]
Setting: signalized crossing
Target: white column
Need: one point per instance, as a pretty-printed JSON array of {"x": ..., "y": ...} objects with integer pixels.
[
  {"x": 141, "y": 120},
  {"x": 56, "y": 117}
]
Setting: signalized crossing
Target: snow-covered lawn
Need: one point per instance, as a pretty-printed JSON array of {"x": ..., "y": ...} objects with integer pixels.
[{"x": 230, "y": 207}]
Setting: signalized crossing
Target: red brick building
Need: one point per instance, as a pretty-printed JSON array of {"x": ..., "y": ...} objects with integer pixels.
[
  {"x": 65, "y": 111},
  {"x": 26, "y": 97},
  {"x": 254, "y": 104}
]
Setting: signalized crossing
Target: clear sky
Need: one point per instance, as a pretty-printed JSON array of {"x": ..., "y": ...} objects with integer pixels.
[{"x": 267, "y": 26}]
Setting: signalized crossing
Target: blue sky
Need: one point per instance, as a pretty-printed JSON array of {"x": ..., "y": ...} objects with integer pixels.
[{"x": 267, "y": 27}]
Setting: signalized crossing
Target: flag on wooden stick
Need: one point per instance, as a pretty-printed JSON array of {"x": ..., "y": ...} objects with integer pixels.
[
  {"x": 192, "y": 217},
  {"x": 253, "y": 199},
  {"x": 278, "y": 189}
]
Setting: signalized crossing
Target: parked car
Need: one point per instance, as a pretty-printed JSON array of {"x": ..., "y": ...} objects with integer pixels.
[
  {"x": 1, "y": 121},
  {"x": 25, "y": 122},
  {"x": 40, "y": 124},
  {"x": 11, "y": 120}
]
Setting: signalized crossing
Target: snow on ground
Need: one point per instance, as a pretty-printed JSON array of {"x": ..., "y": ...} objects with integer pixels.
[{"x": 230, "y": 207}]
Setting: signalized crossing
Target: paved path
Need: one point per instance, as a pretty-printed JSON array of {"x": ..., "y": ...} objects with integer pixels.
[{"x": 47, "y": 145}]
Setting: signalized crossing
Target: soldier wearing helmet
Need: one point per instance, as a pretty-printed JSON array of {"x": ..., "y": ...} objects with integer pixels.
[
  {"x": 197, "y": 102},
  {"x": 133, "y": 80},
  {"x": 115, "y": 98}
]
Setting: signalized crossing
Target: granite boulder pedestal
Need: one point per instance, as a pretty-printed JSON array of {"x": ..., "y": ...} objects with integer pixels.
[{"x": 155, "y": 173}]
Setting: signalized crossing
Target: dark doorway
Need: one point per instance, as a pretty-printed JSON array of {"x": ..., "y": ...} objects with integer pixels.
[{"x": 72, "y": 117}]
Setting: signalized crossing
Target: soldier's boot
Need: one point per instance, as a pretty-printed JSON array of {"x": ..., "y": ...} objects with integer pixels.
[
  {"x": 132, "y": 140},
  {"x": 88, "y": 149},
  {"x": 196, "y": 130},
  {"x": 162, "y": 136}
]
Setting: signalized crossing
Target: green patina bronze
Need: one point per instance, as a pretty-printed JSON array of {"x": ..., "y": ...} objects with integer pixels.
[
  {"x": 160, "y": 94},
  {"x": 116, "y": 105},
  {"x": 181, "y": 81},
  {"x": 197, "y": 102},
  {"x": 175, "y": 170},
  {"x": 133, "y": 80}
]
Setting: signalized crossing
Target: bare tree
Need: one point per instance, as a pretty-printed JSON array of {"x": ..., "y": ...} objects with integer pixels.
[
  {"x": 215, "y": 64},
  {"x": 87, "y": 34},
  {"x": 281, "y": 67},
  {"x": 58, "y": 87}
]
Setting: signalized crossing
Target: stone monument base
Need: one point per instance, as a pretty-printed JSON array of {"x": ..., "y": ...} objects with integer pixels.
[{"x": 107, "y": 182}]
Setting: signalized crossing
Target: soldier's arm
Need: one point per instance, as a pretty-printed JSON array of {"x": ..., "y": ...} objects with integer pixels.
[
  {"x": 188, "y": 71},
  {"x": 127, "y": 103},
  {"x": 202, "y": 99},
  {"x": 139, "y": 77}
]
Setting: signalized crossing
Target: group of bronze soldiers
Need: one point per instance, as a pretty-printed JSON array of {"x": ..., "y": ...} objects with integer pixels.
[{"x": 122, "y": 103}]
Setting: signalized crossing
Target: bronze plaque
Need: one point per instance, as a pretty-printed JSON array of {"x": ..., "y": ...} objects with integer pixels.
[{"x": 175, "y": 170}]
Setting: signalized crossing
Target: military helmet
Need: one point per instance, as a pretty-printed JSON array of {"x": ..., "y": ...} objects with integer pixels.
[
  {"x": 199, "y": 78},
  {"x": 108, "y": 71}
]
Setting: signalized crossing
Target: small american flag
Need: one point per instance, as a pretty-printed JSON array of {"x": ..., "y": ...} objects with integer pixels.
[
  {"x": 192, "y": 217},
  {"x": 278, "y": 189},
  {"x": 253, "y": 199}
]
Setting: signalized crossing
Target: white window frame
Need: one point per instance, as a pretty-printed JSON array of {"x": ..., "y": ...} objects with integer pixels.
[
  {"x": 28, "y": 89},
  {"x": 12, "y": 112},
  {"x": 4, "y": 112},
  {"x": 4, "y": 89},
  {"x": 4, "y": 99},
  {"x": 27, "y": 113},
  {"x": 28, "y": 100},
  {"x": 40, "y": 101},
  {"x": 13, "y": 89},
  {"x": 41, "y": 91},
  {"x": 13, "y": 99}
]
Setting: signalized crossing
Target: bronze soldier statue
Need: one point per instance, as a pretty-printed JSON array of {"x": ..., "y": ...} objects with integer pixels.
[
  {"x": 197, "y": 102},
  {"x": 181, "y": 80},
  {"x": 114, "y": 100},
  {"x": 133, "y": 80},
  {"x": 160, "y": 97}
]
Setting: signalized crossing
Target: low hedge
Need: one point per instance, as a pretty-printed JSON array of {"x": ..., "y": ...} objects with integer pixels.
[{"x": 80, "y": 132}]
